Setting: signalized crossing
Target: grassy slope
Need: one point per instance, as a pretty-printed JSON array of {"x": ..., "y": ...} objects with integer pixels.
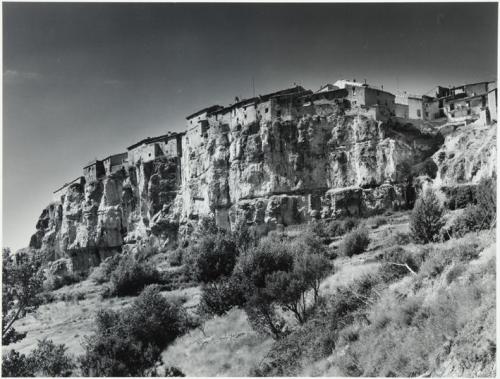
[{"x": 227, "y": 346}]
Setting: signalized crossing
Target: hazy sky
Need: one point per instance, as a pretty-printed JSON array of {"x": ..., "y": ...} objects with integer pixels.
[{"x": 86, "y": 80}]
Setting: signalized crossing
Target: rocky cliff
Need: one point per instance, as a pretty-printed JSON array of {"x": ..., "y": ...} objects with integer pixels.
[{"x": 320, "y": 165}]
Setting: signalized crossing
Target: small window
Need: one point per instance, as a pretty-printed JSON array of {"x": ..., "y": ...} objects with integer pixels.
[
  {"x": 267, "y": 110},
  {"x": 419, "y": 114},
  {"x": 278, "y": 113},
  {"x": 426, "y": 114},
  {"x": 354, "y": 90},
  {"x": 452, "y": 106}
]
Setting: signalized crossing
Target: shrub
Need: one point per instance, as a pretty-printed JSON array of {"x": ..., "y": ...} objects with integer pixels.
[
  {"x": 355, "y": 242},
  {"x": 426, "y": 219},
  {"x": 333, "y": 228},
  {"x": 173, "y": 372},
  {"x": 22, "y": 282},
  {"x": 218, "y": 298},
  {"x": 486, "y": 194},
  {"x": 176, "y": 257},
  {"x": 397, "y": 263},
  {"x": 15, "y": 364},
  {"x": 51, "y": 360},
  {"x": 480, "y": 216},
  {"x": 216, "y": 257},
  {"x": 130, "y": 277},
  {"x": 280, "y": 273},
  {"x": 47, "y": 359},
  {"x": 102, "y": 273},
  {"x": 129, "y": 342}
]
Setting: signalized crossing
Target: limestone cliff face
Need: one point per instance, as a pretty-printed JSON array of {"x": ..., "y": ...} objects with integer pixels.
[
  {"x": 467, "y": 155},
  {"x": 90, "y": 222},
  {"x": 321, "y": 164},
  {"x": 285, "y": 172}
]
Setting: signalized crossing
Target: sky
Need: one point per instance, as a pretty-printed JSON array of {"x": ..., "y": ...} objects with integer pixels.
[{"x": 83, "y": 81}]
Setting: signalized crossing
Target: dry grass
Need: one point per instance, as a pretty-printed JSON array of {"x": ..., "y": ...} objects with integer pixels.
[{"x": 225, "y": 346}]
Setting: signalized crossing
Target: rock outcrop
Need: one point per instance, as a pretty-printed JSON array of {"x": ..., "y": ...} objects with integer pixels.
[{"x": 265, "y": 173}]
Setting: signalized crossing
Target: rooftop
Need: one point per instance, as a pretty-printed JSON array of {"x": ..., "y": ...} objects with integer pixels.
[
  {"x": 210, "y": 109},
  {"x": 149, "y": 140}
]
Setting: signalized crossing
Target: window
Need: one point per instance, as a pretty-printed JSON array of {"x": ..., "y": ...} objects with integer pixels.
[
  {"x": 419, "y": 114},
  {"x": 267, "y": 110},
  {"x": 426, "y": 114},
  {"x": 452, "y": 106},
  {"x": 245, "y": 116},
  {"x": 354, "y": 90},
  {"x": 278, "y": 113}
]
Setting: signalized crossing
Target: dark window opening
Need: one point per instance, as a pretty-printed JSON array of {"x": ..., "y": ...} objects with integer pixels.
[
  {"x": 452, "y": 106},
  {"x": 267, "y": 110},
  {"x": 419, "y": 114}
]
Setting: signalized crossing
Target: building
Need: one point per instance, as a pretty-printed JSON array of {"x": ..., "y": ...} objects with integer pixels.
[
  {"x": 423, "y": 108},
  {"x": 262, "y": 108},
  {"x": 401, "y": 110},
  {"x": 492, "y": 101},
  {"x": 114, "y": 163},
  {"x": 148, "y": 149},
  {"x": 61, "y": 191},
  {"x": 94, "y": 171},
  {"x": 467, "y": 101}
]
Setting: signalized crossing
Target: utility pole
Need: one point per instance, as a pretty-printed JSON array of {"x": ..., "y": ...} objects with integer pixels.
[{"x": 253, "y": 86}]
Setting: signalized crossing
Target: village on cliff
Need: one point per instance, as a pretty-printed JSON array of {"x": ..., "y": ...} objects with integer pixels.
[{"x": 452, "y": 105}]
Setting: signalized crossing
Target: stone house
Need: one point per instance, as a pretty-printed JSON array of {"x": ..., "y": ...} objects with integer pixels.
[
  {"x": 94, "y": 171},
  {"x": 263, "y": 108},
  {"x": 61, "y": 191},
  {"x": 492, "y": 101},
  {"x": 114, "y": 163},
  {"x": 423, "y": 108},
  {"x": 148, "y": 149},
  {"x": 467, "y": 101}
]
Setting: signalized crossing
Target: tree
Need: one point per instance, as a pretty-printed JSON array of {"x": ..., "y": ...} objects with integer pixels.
[
  {"x": 22, "y": 281},
  {"x": 216, "y": 257},
  {"x": 426, "y": 218},
  {"x": 129, "y": 342}
]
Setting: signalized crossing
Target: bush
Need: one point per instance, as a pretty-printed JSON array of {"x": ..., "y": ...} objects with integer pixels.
[
  {"x": 130, "y": 277},
  {"x": 129, "y": 342},
  {"x": 22, "y": 282},
  {"x": 218, "y": 298},
  {"x": 216, "y": 257},
  {"x": 397, "y": 263},
  {"x": 173, "y": 372},
  {"x": 480, "y": 216},
  {"x": 333, "y": 228},
  {"x": 486, "y": 194},
  {"x": 355, "y": 242},
  {"x": 15, "y": 364},
  {"x": 102, "y": 273},
  {"x": 176, "y": 257},
  {"x": 426, "y": 219},
  {"x": 280, "y": 273},
  {"x": 51, "y": 360},
  {"x": 47, "y": 359}
]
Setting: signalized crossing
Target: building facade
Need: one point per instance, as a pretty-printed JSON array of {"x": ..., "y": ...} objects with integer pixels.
[
  {"x": 146, "y": 150},
  {"x": 114, "y": 163},
  {"x": 94, "y": 171}
]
